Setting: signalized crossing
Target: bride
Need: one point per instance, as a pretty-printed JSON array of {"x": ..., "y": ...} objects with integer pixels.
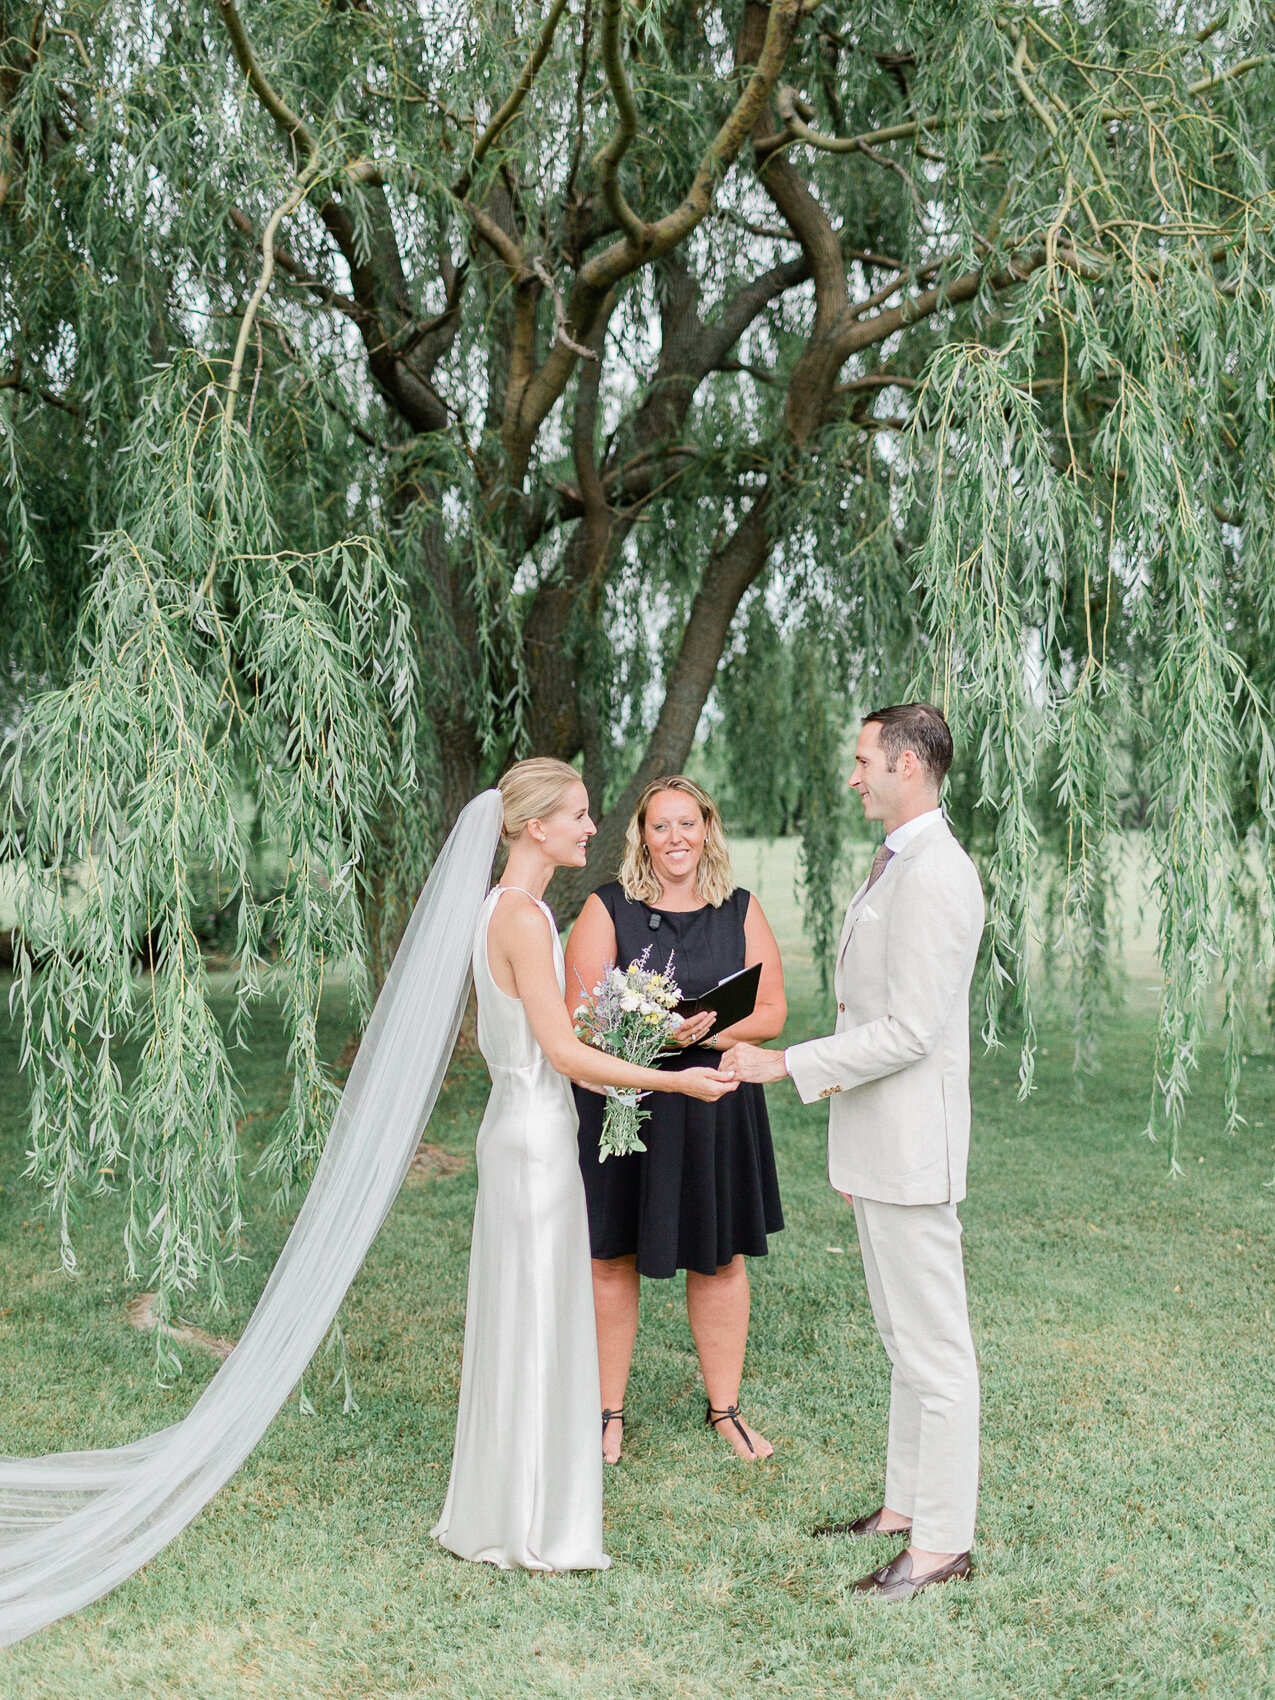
[{"x": 526, "y": 1481}]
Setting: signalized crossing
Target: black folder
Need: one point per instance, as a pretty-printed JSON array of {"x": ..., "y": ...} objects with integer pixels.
[{"x": 732, "y": 999}]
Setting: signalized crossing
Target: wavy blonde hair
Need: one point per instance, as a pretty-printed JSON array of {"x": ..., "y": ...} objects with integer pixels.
[
  {"x": 532, "y": 790},
  {"x": 714, "y": 878}
]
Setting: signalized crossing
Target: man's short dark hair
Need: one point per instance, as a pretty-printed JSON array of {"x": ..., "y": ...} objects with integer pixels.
[{"x": 915, "y": 726}]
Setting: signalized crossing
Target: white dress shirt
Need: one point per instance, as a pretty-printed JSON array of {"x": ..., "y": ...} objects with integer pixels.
[{"x": 894, "y": 841}]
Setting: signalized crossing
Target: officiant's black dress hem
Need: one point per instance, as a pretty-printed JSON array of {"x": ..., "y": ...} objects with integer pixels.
[{"x": 704, "y": 1190}]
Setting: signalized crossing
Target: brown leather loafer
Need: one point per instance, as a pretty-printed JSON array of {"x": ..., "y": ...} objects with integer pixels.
[
  {"x": 862, "y": 1527},
  {"x": 895, "y": 1581}
]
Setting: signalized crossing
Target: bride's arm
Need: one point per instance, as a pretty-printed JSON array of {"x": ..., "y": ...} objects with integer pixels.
[{"x": 518, "y": 942}]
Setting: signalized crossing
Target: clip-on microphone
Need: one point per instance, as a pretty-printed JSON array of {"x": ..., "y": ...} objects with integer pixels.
[{"x": 654, "y": 923}]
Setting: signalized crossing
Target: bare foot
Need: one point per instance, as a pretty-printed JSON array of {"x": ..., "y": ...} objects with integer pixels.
[
  {"x": 612, "y": 1439},
  {"x": 761, "y": 1447}
]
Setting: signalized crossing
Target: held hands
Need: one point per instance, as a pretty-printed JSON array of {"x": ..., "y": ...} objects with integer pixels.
[
  {"x": 710, "y": 1084},
  {"x": 752, "y": 1063}
]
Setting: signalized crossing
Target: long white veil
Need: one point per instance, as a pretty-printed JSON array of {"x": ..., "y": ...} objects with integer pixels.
[{"x": 74, "y": 1524}]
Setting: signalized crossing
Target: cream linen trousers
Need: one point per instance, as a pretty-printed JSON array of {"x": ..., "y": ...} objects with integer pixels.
[{"x": 916, "y": 1284}]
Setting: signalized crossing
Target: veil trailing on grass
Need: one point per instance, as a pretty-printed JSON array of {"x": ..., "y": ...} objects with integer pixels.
[{"x": 74, "y": 1524}]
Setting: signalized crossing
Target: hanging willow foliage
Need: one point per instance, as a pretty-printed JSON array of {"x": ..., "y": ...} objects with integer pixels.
[{"x": 390, "y": 388}]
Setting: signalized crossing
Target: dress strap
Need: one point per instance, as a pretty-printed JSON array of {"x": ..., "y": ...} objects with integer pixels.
[{"x": 538, "y": 901}]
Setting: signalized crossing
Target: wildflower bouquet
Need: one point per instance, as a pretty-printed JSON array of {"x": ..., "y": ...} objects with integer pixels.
[{"x": 630, "y": 1014}]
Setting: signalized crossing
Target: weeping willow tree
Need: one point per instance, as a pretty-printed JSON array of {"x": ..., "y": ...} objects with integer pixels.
[{"x": 390, "y": 388}]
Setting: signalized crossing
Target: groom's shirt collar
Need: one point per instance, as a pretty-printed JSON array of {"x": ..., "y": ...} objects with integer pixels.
[{"x": 894, "y": 841}]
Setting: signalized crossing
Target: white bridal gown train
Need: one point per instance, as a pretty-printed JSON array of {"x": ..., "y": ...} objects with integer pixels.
[
  {"x": 74, "y": 1524},
  {"x": 526, "y": 1481}
]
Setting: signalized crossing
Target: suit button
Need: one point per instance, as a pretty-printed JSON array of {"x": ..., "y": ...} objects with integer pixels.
[{"x": 842, "y": 1008}]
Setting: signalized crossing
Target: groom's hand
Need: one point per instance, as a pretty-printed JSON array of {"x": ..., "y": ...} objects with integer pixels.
[{"x": 752, "y": 1063}]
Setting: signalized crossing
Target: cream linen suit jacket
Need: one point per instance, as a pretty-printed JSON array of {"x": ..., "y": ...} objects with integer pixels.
[{"x": 896, "y": 1071}]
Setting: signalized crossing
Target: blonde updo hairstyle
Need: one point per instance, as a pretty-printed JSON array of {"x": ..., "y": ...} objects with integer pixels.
[
  {"x": 533, "y": 790},
  {"x": 714, "y": 879}
]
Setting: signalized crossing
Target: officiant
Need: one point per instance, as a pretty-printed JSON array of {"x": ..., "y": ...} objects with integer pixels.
[{"x": 703, "y": 1196}]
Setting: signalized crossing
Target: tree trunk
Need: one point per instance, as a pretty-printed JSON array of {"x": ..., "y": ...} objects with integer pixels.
[{"x": 728, "y": 576}]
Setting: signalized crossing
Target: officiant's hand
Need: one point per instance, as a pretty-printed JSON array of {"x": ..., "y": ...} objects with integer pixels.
[
  {"x": 693, "y": 1029},
  {"x": 752, "y": 1063}
]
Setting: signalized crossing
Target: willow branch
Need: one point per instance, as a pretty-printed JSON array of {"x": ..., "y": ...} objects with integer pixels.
[
  {"x": 560, "y": 312},
  {"x": 1213, "y": 25},
  {"x": 70, "y": 35},
  {"x": 889, "y": 164},
  {"x": 1029, "y": 95},
  {"x": 608, "y": 160},
  {"x": 282, "y": 211},
  {"x": 298, "y": 273},
  {"x": 863, "y": 334},
  {"x": 674, "y": 227},
  {"x": 277, "y": 107},
  {"x": 605, "y": 270},
  {"x": 15, "y": 381},
  {"x": 503, "y": 245},
  {"x": 416, "y": 334},
  {"x": 287, "y": 206},
  {"x": 509, "y": 111},
  {"x": 797, "y": 130},
  {"x": 876, "y": 381},
  {"x": 1239, "y": 69}
]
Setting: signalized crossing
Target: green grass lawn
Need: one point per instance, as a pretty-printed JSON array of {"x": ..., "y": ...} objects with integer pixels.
[{"x": 1124, "y": 1327}]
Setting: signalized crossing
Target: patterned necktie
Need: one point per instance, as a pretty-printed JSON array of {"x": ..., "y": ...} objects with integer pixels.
[{"x": 879, "y": 861}]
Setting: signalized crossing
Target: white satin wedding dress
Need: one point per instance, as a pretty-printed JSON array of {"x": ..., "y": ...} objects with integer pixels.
[{"x": 526, "y": 1481}]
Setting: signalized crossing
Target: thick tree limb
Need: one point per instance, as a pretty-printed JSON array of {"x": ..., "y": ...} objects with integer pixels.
[
  {"x": 608, "y": 160},
  {"x": 691, "y": 349},
  {"x": 512, "y": 105},
  {"x": 730, "y": 571},
  {"x": 674, "y": 227},
  {"x": 283, "y": 115},
  {"x": 435, "y": 335},
  {"x": 795, "y": 129},
  {"x": 1240, "y": 69},
  {"x": 506, "y": 248},
  {"x": 820, "y": 243},
  {"x": 15, "y": 381},
  {"x": 616, "y": 262},
  {"x": 865, "y": 333}
]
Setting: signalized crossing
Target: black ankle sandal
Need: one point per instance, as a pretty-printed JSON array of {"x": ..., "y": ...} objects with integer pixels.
[
  {"x": 730, "y": 1414},
  {"x": 613, "y": 1417}
]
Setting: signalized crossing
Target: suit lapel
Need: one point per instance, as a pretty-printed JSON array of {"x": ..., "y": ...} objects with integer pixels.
[
  {"x": 859, "y": 901},
  {"x": 852, "y": 915},
  {"x": 846, "y": 925}
]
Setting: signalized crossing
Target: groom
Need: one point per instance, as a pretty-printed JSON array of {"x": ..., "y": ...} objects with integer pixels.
[{"x": 896, "y": 1076}]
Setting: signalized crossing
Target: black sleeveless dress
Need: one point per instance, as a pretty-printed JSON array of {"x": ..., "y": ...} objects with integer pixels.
[{"x": 704, "y": 1190}]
